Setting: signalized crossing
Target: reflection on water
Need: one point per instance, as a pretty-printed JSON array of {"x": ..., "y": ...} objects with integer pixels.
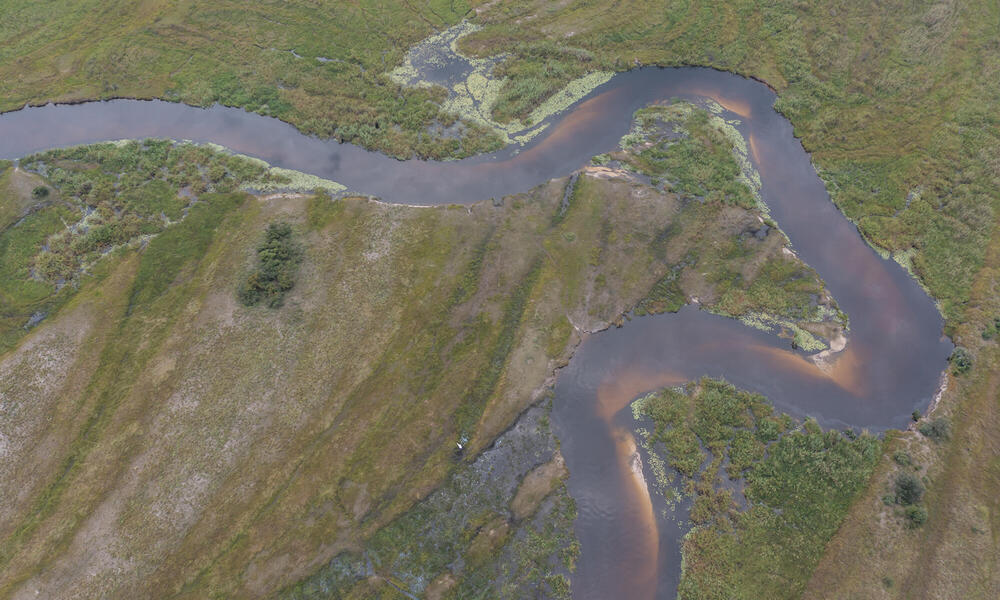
[{"x": 629, "y": 550}]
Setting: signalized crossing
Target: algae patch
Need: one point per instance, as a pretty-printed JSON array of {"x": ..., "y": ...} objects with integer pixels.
[{"x": 473, "y": 91}]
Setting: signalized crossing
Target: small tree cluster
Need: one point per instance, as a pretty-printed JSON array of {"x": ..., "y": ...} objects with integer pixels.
[
  {"x": 936, "y": 429},
  {"x": 278, "y": 258},
  {"x": 909, "y": 491}
]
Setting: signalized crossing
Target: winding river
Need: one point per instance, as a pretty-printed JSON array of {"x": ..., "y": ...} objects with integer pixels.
[{"x": 891, "y": 365}]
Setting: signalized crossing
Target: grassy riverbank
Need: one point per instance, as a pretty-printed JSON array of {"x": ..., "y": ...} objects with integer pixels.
[
  {"x": 894, "y": 100},
  {"x": 891, "y": 99},
  {"x": 320, "y": 67}
]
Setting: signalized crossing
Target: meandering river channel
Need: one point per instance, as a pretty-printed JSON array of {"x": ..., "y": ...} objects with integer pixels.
[{"x": 890, "y": 367}]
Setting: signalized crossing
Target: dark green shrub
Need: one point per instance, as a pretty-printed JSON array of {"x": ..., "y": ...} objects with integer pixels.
[
  {"x": 992, "y": 329},
  {"x": 278, "y": 258},
  {"x": 961, "y": 361},
  {"x": 40, "y": 192},
  {"x": 909, "y": 490},
  {"x": 936, "y": 429},
  {"x": 916, "y": 515},
  {"x": 902, "y": 458},
  {"x": 915, "y": 415}
]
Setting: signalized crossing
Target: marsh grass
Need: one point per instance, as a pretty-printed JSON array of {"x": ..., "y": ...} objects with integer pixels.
[{"x": 799, "y": 484}]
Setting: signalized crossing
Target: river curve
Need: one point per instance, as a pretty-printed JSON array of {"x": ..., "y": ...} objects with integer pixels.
[{"x": 890, "y": 367}]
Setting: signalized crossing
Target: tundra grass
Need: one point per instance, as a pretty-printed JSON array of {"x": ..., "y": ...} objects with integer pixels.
[
  {"x": 953, "y": 554},
  {"x": 320, "y": 67},
  {"x": 104, "y": 197}
]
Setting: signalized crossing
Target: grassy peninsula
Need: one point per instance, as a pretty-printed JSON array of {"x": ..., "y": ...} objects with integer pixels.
[{"x": 790, "y": 486}]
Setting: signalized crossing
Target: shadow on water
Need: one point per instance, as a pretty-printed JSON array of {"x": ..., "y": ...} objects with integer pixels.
[{"x": 629, "y": 549}]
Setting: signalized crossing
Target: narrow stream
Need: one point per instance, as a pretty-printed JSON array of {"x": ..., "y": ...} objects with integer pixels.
[{"x": 890, "y": 367}]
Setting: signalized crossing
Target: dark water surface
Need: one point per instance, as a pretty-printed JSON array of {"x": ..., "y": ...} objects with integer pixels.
[{"x": 890, "y": 367}]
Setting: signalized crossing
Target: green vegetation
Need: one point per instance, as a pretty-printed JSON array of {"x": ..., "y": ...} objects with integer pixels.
[
  {"x": 909, "y": 490},
  {"x": 799, "y": 484},
  {"x": 169, "y": 253},
  {"x": 688, "y": 151},
  {"x": 175, "y": 373},
  {"x": 961, "y": 361},
  {"x": 448, "y": 298},
  {"x": 936, "y": 429},
  {"x": 894, "y": 100},
  {"x": 106, "y": 197},
  {"x": 278, "y": 258},
  {"x": 891, "y": 100},
  {"x": 992, "y": 329},
  {"x": 127, "y": 190},
  {"x": 467, "y": 532},
  {"x": 908, "y": 493},
  {"x": 322, "y": 68}
]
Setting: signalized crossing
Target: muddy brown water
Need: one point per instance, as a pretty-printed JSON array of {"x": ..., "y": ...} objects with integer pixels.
[{"x": 630, "y": 541}]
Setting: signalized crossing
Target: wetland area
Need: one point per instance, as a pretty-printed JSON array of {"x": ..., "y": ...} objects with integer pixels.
[{"x": 630, "y": 538}]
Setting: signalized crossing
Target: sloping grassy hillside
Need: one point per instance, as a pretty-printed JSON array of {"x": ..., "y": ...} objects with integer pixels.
[{"x": 167, "y": 437}]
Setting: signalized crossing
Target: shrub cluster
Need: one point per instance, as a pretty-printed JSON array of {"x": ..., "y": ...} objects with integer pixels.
[
  {"x": 936, "y": 429},
  {"x": 908, "y": 492},
  {"x": 961, "y": 361},
  {"x": 992, "y": 329},
  {"x": 121, "y": 191},
  {"x": 278, "y": 258}
]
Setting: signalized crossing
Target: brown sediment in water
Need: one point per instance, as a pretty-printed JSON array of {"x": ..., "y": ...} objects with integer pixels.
[
  {"x": 844, "y": 370},
  {"x": 641, "y": 575},
  {"x": 619, "y": 390},
  {"x": 751, "y": 140},
  {"x": 613, "y": 395},
  {"x": 589, "y": 110},
  {"x": 737, "y": 107}
]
